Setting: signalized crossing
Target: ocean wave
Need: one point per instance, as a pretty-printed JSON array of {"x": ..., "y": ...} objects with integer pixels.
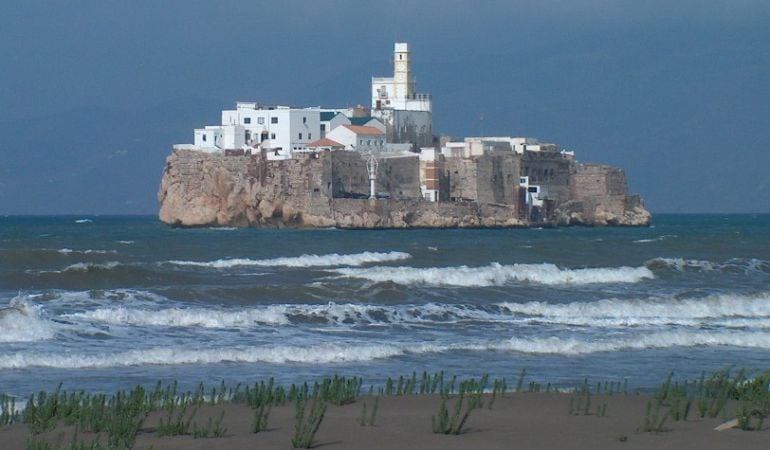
[
  {"x": 727, "y": 310},
  {"x": 83, "y": 221},
  {"x": 21, "y": 321},
  {"x": 331, "y": 313},
  {"x": 497, "y": 275},
  {"x": 329, "y": 260},
  {"x": 668, "y": 339},
  {"x": 696, "y": 265},
  {"x": 183, "y": 317},
  {"x": 88, "y": 266},
  {"x": 657, "y": 239},
  {"x": 347, "y": 353},
  {"x": 67, "y": 251},
  {"x": 317, "y": 354}
]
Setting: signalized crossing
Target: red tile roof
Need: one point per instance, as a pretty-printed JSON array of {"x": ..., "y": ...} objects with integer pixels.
[
  {"x": 325, "y": 142},
  {"x": 359, "y": 129}
]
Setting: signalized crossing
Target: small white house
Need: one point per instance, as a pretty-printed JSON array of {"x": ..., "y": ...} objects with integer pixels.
[
  {"x": 360, "y": 138},
  {"x": 217, "y": 138},
  {"x": 324, "y": 144}
]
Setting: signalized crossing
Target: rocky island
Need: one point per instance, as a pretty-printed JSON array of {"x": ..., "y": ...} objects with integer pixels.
[{"x": 381, "y": 167}]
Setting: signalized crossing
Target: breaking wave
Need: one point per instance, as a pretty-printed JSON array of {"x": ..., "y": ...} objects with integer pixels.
[
  {"x": 21, "y": 322},
  {"x": 184, "y": 317},
  {"x": 668, "y": 339},
  {"x": 734, "y": 265},
  {"x": 86, "y": 267},
  {"x": 67, "y": 251},
  {"x": 347, "y": 353},
  {"x": 727, "y": 310},
  {"x": 659, "y": 238},
  {"x": 319, "y": 354},
  {"x": 496, "y": 275},
  {"x": 331, "y": 313},
  {"x": 333, "y": 259}
]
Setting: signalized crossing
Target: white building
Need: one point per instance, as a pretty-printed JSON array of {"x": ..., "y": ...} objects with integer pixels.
[
  {"x": 476, "y": 146},
  {"x": 279, "y": 129},
  {"x": 360, "y": 138}
]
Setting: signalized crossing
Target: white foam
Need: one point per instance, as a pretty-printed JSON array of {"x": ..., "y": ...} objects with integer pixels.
[
  {"x": 731, "y": 265},
  {"x": 85, "y": 267},
  {"x": 659, "y": 238},
  {"x": 21, "y": 321},
  {"x": 496, "y": 275},
  {"x": 184, "y": 317},
  {"x": 731, "y": 310},
  {"x": 668, "y": 339},
  {"x": 726, "y": 310},
  {"x": 329, "y": 260},
  {"x": 66, "y": 251},
  {"x": 126, "y": 242},
  {"x": 345, "y": 353},
  {"x": 83, "y": 221},
  {"x": 682, "y": 264},
  {"x": 317, "y": 354},
  {"x": 331, "y": 313}
]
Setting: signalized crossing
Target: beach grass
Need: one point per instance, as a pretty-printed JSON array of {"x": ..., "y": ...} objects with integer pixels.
[{"x": 113, "y": 421}]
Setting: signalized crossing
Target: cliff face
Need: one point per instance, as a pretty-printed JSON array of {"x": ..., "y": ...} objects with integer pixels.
[{"x": 325, "y": 190}]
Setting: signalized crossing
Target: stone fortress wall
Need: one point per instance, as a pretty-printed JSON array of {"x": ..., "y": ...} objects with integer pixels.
[{"x": 328, "y": 189}]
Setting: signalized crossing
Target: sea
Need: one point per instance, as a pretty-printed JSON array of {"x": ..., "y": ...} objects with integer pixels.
[{"x": 106, "y": 303}]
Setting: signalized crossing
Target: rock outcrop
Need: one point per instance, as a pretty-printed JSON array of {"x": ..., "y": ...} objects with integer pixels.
[{"x": 323, "y": 190}]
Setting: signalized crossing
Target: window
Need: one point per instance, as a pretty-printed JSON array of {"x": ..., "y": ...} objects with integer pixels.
[
  {"x": 247, "y": 120},
  {"x": 300, "y": 136},
  {"x": 304, "y": 120},
  {"x": 272, "y": 135},
  {"x": 273, "y": 120},
  {"x": 309, "y": 136},
  {"x": 204, "y": 138},
  {"x": 368, "y": 142},
  {"x": 261, "y": 120},
  {"x": 532, "y": 189},
  {"x": 361, "y": 142},
  {"x": 323, "y": 127}
]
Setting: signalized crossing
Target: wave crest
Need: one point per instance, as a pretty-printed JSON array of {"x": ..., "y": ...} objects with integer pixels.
[
  {"x": 333, "y": 259},
  {"x": 20, "y": 321},
  {"x": 496, "y": 274}
]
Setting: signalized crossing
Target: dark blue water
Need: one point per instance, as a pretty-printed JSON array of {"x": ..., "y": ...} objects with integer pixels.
[{"x": 106, "y": 302}]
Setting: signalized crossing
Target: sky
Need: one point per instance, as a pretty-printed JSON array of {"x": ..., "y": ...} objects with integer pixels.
[{"x": 93, "y": 94}]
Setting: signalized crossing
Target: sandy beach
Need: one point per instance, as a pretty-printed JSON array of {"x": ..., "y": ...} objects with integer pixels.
[{"x": 517, "y": 420}]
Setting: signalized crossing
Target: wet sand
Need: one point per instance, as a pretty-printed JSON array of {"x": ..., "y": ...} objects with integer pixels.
[{"x": 518, "y": 420}]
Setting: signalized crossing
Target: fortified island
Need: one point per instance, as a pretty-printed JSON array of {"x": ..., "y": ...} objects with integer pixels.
[{"x": 381, "y": 167}]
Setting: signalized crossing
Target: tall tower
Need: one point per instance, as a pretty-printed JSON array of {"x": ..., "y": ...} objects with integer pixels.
[{"x": 403, "y": 84}]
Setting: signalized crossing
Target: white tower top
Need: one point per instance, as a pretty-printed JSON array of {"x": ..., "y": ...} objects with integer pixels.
[{"x": 399, "y": 92}]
